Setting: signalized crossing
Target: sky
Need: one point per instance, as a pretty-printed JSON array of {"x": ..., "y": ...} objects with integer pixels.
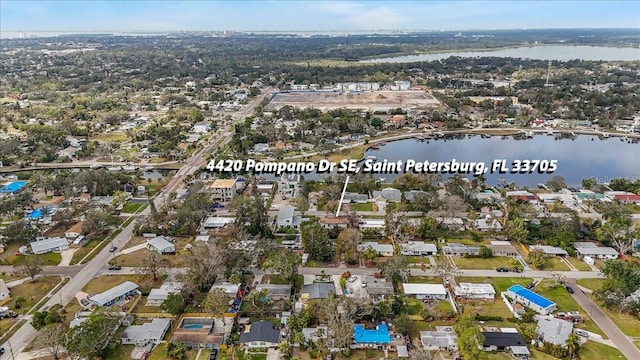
[{"x": 311, "y": 15}]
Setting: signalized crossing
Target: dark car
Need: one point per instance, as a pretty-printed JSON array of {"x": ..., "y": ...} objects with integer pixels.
[
  {"x": 214, "y": 354},
  {"x": 115, "y": 267},
  {"x": 1, "y": 351},
  {"x": 569, "y": 289},
  {"x": 531, "y": 285},
  {"x": 502, "y": 269},
  {"x": 113, "y": 249}
]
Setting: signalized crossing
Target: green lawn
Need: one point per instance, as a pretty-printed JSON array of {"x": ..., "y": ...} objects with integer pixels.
[
  {"x": 479, "y": 263},
  {"x": 557, "y": 294},
  {"x": 578, "y": 264},
  {"x": 414, "y": 307},
  {"x": 555, "y": 264},
  {"x": 500, "y": 284},
  {"x": 119, "y": 352},
  {"x": 499, "y": 356},
  {"x": 105, "y": 282},
  {"x": 50, "y": 259},
  {"x": 628, "y": 324},
  {"x": 131, "y": 207},
  {"x": 364, "y": 207},
  {"x": 592, "y": 350},
  {"x": 425, "y": 280},
  {"x": 637, "y": 343},
  {"x": 591, "y": 284},
  {"x": 539, "y": 355}
]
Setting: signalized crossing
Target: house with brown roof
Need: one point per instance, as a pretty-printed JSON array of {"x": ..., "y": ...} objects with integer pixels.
[
  {"x": 329, "y": 222},
  {"x": 74, "y": 231}
]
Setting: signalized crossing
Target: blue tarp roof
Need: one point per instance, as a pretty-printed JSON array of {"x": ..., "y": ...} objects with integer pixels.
[
  {"x": 531, "y": 296},
  {"x": 380, "y": 335},
  {"x": 13, "y": 187}
]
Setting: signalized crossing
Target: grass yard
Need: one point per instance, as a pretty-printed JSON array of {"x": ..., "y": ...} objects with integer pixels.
[
  {"x": 539, "y": 355},
  {"x": 628, "y": 324},
  {"x": 131, "y": 207},
  {"x": 500, "y": 284},
  {"x": 133, "y": 259},
  {"x": 479, "y": 263},
  {"x": 160, "y": 353},
  {"x": 578, "y": 264},
  {"x": 32, "y": 292},
  {"x": 499, "y": 356},
  {"x": 120, "y": 352},
  {"x": 204, "y": 354},
  {"x": 593, "y": 350},
  {"x": 364, "y": 207},
  {"x": 591, "y": 284},
  {"x": 135, "y": 240},
  {"x": 414, "y": 306},
  {"x": 274, "y": 279},
  {"x": 487, "y": 308},
  {"x": 50, "y": 259},
  {"x": 557, "y": 294},
  {"x": 425, "y": 280},
  {"x": 86, "y": 249},
  {"x": 555, "y": 264},
  {"x": 111, "y": 137}
]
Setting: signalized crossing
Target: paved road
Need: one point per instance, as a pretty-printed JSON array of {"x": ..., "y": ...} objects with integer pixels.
[
  {"x": 620, "y": 340},
  {"x": 83, "y": 274},
  {"x": 536, "y": 274}
]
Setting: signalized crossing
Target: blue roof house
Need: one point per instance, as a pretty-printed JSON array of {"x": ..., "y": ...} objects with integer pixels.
[
  {"x": 371, "y": 337},
  {"x": 530, "y": 299},
  {"x": 13, "y": 187}
]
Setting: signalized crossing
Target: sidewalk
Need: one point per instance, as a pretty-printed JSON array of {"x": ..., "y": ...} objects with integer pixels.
[{"x": 132, "y": 249}]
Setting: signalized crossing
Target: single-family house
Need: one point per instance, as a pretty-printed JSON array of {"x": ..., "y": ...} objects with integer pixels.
[
  {"x": 161, "y": 245},
  {"x": 363, "y": 337},
  {"x": 156, "y": 297},
  {"x": 317, "y": 290},
  {"x": 311, "y": 335},
  {"x": 286, "y": 218},
  {"x": 479, "y": 291},
  {"x": 418, "y": 248},
  {"x": 261, "y": 334},
  {"x": 47, "y": 245},
  {"x": 350, "y": 197},
  {"x": 5, "y": 294},
  {"x": 201, "y": 127},
  {"x": 374, "y": 225},
  {"x": 217, "y": 222},
  {"x": 411, "y": 195},
  {"x": 388, "y": 194},
  {"x": 276, "y": 292},
  {"x": 228, "y": 288},
  {"x": 585, "y": 248},
  {"x": 378, "y": 289},
  {"x": 503, "y": 248},
  {"x": 488, "y": 224},
  {"x": 381, "y": 249},
  {"x": 532, "y": 300},
  {"x": 422, "y": 291},
  {"x": 202, "y": 332},
  {"x": 628, "y": 198},
  {"x": 455, "y": 249},
  {"x": 549, "y": 250},
  {"x": 224, "y": 189},
  {"x": 521, "y": 195},
  {"x": 504, "y": 341},
  {"x": 451, "y": 223},
  {"x": 553, "y": 330},
  {"x": 289, "y": 185},
  {"x": 148, "y": 333},
  {"x": 115, "y": 295},
  {"x": 330, "y": 222},
  {"x": 444, "y": 338}
]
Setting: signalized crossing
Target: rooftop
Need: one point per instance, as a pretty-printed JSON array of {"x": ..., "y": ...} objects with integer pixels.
[
  {"x": 260, "y": 331},
  {"x": 152, "y": 330},
  {"x": 318, "y": 290},
  {"x": 115, "y": 292},
  {"x": 418, "y": 289},
  {"x": 502, "y": 339},
  {"x": 552, "y": 330},
  {"x": 223, "y": 183},
  {"x": 379, "y": 335},
  {"x": 531, "y": 296}
]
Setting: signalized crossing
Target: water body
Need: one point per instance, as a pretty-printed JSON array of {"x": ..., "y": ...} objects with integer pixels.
[
  {"x": 552, "y": 52},
  {"x": 580, "y": 158}
]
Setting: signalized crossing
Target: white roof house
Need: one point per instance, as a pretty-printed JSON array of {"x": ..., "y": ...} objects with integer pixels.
[
  {"x": 549, "y": 250},
  {"x": 49, "y": 245},
  {"x": 152, "y": 332},
  {"x": 287, "y": 218},
  {"x": 216, "y": 222},
  {"x": 161, "y": 245},
  {"x": 418, "y": 248},
  {"x": 228, "y": 288},
  {"x": 594, "y": 251},
  {"x": 474, "y": 291},
  {"x": 115, "y": 294},
  {"x": 424, "y": 291},
  {"x": 457, "y": 249},
  {"x": 372, "y": 224},
  {"x": 382, "y": 249},
  {"x": 156, "y": 297},
  {"x": 444, "y": 338}
]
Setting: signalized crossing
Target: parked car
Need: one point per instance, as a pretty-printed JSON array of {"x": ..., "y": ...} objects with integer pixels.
[
  {"x": 1, "y": 350},
  {"x": 516, "y": 269},
  {"x": 352, "y": 278},
  {"x": 115, "y": 267},
  {"x": 569, "y": 289},
  {"x": 214, "y": 354},
  {"x": 531, "y": 285},
  {"x": 502, "y": 269},
  {"x": 113, "y": 248}
]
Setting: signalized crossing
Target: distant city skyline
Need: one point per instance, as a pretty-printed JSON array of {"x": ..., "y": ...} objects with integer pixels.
[{"x": 148, "y": 16}]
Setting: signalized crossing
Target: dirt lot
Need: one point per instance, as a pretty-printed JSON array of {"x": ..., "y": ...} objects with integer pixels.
[{"x": 370, "y": 100}]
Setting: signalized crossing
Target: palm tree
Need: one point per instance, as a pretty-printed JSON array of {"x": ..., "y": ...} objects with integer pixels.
[{"x": 573, "y": 345}]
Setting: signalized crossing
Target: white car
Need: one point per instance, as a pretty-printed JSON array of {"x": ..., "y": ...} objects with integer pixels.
[{"x": 352, "y": 278}]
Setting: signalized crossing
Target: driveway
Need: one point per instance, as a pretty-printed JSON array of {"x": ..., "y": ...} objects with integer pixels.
[
  {"x": 620, "y": 340},
  {"x": 67, "y": 255}
]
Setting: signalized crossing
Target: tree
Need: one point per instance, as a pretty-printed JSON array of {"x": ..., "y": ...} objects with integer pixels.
[
  {"x": 176, "y": 350},
  {"x": 250, "y": 210},
  {"x": 556, "y": 183},
  {"x": 445, "y": 268},
  {"x": 427, "y": 229},
  {"x": 470, "y": 339},
  {"x": 91, "y": 337},
  {"x": 572, "y": 345},
  {"x": 485, "y": 252},
  {"x": 203, "y": 263},
  {"x": 403, "y": 324},
  {"x": 316, "y": 242},
  {"x": 258, "y": 300},
  {"x": 51, "y": 339},
  {"x": 537, "y": 258},
  {"x": 53, "y": 315},
  {"x": 618, "y": 232},
  {"x": 528, "y": 331},
  {"x": 31, "y": 266},
  {"x": 339, "y": 314},
  {"x": 153, "y": 264},
  {"x": 217, "y": 302},
  {"x": 347, "y": 244},
  {"x": 395, "y": 269},
  {"x": 285, "y": 262},
  {"x": 98, "y": 223},
  {"x": 174, "y": 304},
  {"x": 516, "y": 229}
]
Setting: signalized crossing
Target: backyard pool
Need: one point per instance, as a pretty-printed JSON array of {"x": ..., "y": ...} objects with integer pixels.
[{"x": 193, "y": 326}]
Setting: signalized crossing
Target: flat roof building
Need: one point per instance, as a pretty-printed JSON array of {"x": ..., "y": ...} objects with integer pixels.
[
  {"x": 378, "y": 336},
  {"x": 115, "y": 294},
  {"x": 530, "y": 299},
  {"x": 444, "y": 338},
  {"x": 474, "y": 291},
  {"x": 152, "y": 332},
  {"x": 425, "y": 291},
  {"x": 48, "y": 245}
]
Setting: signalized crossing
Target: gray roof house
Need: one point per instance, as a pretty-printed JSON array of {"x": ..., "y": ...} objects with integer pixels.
[
  {"x": 382, "y": 249},
  {"x": 418, "y": 248},
  {"x": 378, "y": 289},
  {"x": 115, "y": 294},
  {"x": 286, "y": 218},
  {"x": 261, "y": 334},
  {"x": 161, "y": 245},
  {"x": 410, "y": 195},
  {"x": 146, "y": 333},
  {"x": 487, "y": 224},
  {"x": 388, "y": 194},
  {"x": 585, "y": 248},
  {"x": 350, "y": 197},
  {"x": 276, "y": 291},
  {"x": 318, "y": 290},
  {"x": 553, "y": 330},
  {"x": 549, "y": 250},
  {"x": 47, "y": 245},
  {"x": 444, "y": 338}
]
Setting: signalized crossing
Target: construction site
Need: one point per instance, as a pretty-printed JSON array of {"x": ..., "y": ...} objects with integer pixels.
[{"x": 365, "y": 100}]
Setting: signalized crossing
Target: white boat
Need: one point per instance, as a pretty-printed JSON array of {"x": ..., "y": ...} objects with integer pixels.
[
  {"x": 382, "y": 179},
  {"x": 370, "y": 157},
  {"x": 529, "y": 134},
  {"x": 605, "y": 135},
  {"x": 549, "y": 132}
]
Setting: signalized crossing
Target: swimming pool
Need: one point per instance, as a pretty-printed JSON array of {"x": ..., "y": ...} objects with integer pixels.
[{"x": 193, "y": 326}]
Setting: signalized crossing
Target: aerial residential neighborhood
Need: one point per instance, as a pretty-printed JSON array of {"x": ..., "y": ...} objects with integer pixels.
[{"x": 130, "y": 227}]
